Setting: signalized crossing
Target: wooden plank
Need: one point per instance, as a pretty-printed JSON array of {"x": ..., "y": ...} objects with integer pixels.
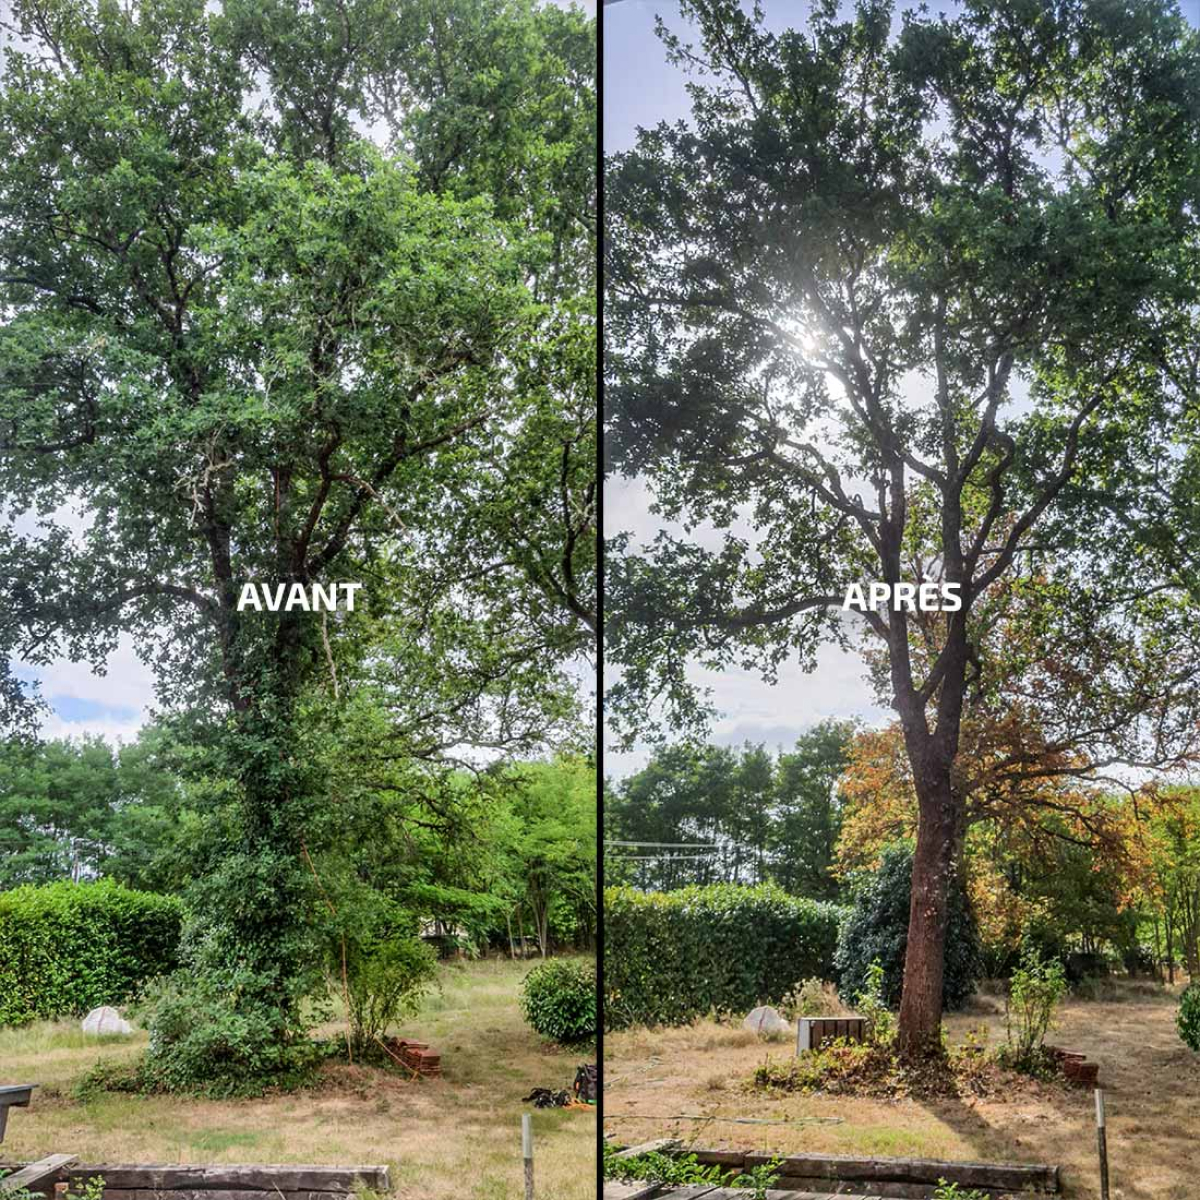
[
  {"x": 631, "y": 1191},
  {"x": 30, "y": 1176},
  {"x": 1013, "y": 1177},
  {"x": 658, "y": 1146},
  {"x": 185, "y": 1177},
  {"x": 880, "y": 1190},
  {"x": 210, "y": 1194},
  {"x": 721, "y": 1158}
]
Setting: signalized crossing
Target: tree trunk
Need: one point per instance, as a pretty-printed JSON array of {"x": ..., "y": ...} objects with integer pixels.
[
  {"x": 1169, "y": 921},
  {"x": 542, "y": 916},
  {"x": 1191, "y": 934},
  {"x": 934, "y": 872}
]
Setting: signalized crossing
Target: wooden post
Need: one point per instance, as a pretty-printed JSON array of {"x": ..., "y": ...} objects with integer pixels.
[
  {"x": 527, "y": 1152},
  {"x": 1102, "y": 1143}
]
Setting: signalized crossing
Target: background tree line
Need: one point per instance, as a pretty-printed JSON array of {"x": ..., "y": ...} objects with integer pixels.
[
  {"x": 769, "y": 817},
  {"x": 1104, "y": 879},
  {"x": 501, "y": 859}
]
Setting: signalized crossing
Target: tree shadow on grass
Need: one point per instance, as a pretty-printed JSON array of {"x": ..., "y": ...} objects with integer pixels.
[{"x": 1152, "y": 1090}]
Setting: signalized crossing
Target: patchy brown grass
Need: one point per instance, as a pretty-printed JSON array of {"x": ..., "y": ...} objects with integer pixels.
[
  {"x": 453, "y": 1138},
  {"x": 1152, "y": 1083}
]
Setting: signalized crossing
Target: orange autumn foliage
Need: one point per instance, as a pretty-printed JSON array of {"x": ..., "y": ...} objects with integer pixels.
[{"x": 1019, "y": 811}]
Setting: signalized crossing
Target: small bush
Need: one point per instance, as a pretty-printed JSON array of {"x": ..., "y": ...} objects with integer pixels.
[
  {"x": 877, "y": 930},
  {"x": 759, "y": 1180},
  {"x": 69, "y": 947},
  {"x": 813, "y": 998},
  {"x": 387, "y": 979},
  {"x": 1037, "y": 988},
  {"x": 1188, "y": 1018},
  {"x": 952, "y": 1191},
  {"x": 558, "y": 999},
  {"x": 880, "y": 1025},
  {"x": 672, "y": 957}
]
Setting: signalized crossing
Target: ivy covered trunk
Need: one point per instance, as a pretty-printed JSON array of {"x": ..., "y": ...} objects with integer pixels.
[{"x": 234, "y": 1011}]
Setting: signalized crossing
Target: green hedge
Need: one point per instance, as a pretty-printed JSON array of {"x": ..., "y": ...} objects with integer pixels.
[
  {"x": 670, "y": 957},
  {"x": 68, "y": 947}
]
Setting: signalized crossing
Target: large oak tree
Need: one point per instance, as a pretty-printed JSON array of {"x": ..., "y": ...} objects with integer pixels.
[
  {"x": 915, "y": 298},
  {"x": 242, "y": 340}
]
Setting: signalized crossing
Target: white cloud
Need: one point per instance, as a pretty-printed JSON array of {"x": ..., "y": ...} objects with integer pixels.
[
  {"x": 127, "y": 687},
  {"x": 128, "y": 682}
]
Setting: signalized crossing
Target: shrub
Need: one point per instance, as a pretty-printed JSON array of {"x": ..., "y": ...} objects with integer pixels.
[
  {"x": 387, "y": 978},
  {"x": 671, "y": 957},
  {"x": 877, "y": 930},
  {"x": 953, "y": 1191},
  {"x": 880, "y": 1027},
  {"x": 1037, "y": 987},
  {"x": 69, "y": 947},
  {"x": 558, "y": 999},
  {"x": 224, "y": 1035},
  {"x": 813, "y": 998},
  {"x": 1188, "y": 1018}
]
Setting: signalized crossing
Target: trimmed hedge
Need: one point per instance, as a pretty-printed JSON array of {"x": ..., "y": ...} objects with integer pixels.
[
  {"x": 68, "y": 947},
  {"x": 671, "y": 957}
]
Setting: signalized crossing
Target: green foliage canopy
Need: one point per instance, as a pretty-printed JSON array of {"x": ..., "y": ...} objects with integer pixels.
[{"x": 770, "y": 818}]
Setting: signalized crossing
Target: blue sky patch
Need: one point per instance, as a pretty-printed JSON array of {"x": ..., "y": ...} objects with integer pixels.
[{"x": 72, "y": 708}]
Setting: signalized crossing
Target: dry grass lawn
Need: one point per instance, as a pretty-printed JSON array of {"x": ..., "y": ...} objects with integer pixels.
[
  {"x": 454, "y": 1138},
  {"x": 1152, "y": 1085}
]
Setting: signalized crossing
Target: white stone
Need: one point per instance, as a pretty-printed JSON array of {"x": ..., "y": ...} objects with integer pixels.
[
  {"x": 105, "y": 1020},
  {"x": 766, "y": 1022}
]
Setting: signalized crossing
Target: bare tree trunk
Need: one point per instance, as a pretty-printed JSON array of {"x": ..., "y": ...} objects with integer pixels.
[
  {"x": 1191, "y": 934},
  {"x": 935, "y": 870},
  {"x": 1170, "y": 924}
]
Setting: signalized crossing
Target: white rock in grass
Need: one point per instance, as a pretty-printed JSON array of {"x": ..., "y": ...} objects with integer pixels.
[
  {"x": 104, "y": 1021},
  {"x": 766, "y": 1022}
]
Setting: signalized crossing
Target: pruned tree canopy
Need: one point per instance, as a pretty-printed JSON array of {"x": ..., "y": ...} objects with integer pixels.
[{"x": 916, "y": 298}]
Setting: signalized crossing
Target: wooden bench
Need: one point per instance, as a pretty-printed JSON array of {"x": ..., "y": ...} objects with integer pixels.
[
  {"x": 13, "y": 1096},
  {"x": 811, "y": 1032}
]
